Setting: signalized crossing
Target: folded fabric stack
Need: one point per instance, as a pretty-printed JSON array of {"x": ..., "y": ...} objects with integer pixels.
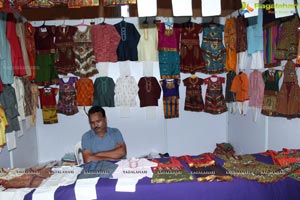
[
  {"x": 204, "y": 168},
  {"x": 224, "y": 151},
  {"x": 170, "y": 171}
]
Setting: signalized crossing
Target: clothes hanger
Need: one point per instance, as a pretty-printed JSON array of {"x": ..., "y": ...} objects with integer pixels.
[
  {"x": 103, "y": 22},
  {"x": 145, "y": 22}
]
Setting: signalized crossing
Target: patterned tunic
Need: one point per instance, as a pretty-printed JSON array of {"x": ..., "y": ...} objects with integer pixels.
[
  {"x": 85, "y": 91},
  {"x": 214, "y": 52},
  {"x": 191, "y": 59},
  {"x": 241, "y": 37},
  {"x": 85, "y": 61},
  {"x": 229, "y": 96},
  {"x": 230, "y": 40},
  {"x": 193, "y": 97},
  {"x": 149, "y": 91},
  {"x": 67, "y": 97},
  {"x": 170, "y": 89},
  {"x": 104, "y": 91},
  {"x": 214, "y": 98},
  {"x": 126, "y": 90}
]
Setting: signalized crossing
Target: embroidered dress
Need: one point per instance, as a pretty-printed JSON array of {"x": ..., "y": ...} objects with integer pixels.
[
  {"x": 214, "y": 98},
  {"x": 67, "y": 97},
  {"x": 193, "y": 95},
  {"x": 127, "y": 49},
  {"x": 85, "y": 61},
  {"x": 191, "y": 59},
  {"x": 104, "y": 92},
  {"x": 147, "y": 46},
  {"x": 65, "y": 57},
  {"x": 168, "y": 55},
  {"x": 85, "y": 91},
  {"x": 6, "y": 70},
  {"x": 241, "y": 37},
  {"x": 214, "y": 52},
  {"x": 126, "y": 90},
  {"x": 149, "y": 91},
  {"x": 170, "y": 88},
  {"x": 288, "y": 95},
  {"x": 271, "y": 79},
  {"x": 9, "y": 102},
  {"x": 44, "y": 42},
  {"x": 48, "y": 105},
  {"x": 288, "y": 39}
]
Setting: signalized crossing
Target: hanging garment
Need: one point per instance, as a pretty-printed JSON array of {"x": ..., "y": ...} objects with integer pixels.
[
  {"x": 20, "y": 30},
  {"x": 29, "y": 32},
  {"x": 85, "y": 91},
  {"x": 6, "y": 70},
  {"x": 64, "y": 54},
  {"x": 241, "y": 30},
  {"x": 9, "y": 102},
  {"x": 126, "y": 90},
  {"x": 45, "y": 49},
  {"x": 67, "y": 104},
  {"x": 271, "y": 38},
  {"x": 3, "y": 125},
  {"x": 271, "y": 79},
  {"x": 288, "y": 39},
  {"x": 191, "y": 59},
  {"x": 85, "y": 61},
  {"x": 256, "y": 89},
  {"x": 214, "y": 99},
  {"x": 104, "y": 91},
  {"x": 147, "y": 46},
  {"x": 16, "y": 51},
  {"x": 287, "y": 104},
  {"x": 127, "y": 48},
  {"x": 193, "y": 96},
  {"x": 34, "y": 101},
  {"x": 229, "y": 95},
  {"x": 230, "y": 41},
  {"x": 170, "y": 88},
  {"x": 149, "y": 91},
  {"x": 48, "y": 105},
  {"x": 28, "y": 106},
  {"x": 20, "y": 94},
  {"x": 214, "y": 52},
  {"x": 240, "y": 86},
  {"x": 168, "y": 47},
  {"x": 105, "y": 40},
  {"x": 255, "y": 33}
]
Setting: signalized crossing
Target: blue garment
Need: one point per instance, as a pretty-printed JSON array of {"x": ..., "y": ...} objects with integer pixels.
[
  {"x": 91, "y": 141},
  {"x": 255, "y": 39},
  {"x": 6, "y": 69},
  {"x": 100, "y": 168}
]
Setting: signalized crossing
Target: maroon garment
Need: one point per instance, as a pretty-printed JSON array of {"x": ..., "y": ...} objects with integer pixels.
[
  {"x": 149, "y": 91},
  {"x": 44, "y": 39},
  {"x": 65, "y": 57},
  {"x": 193, "y": 97},
  {"x": 15, "y": 46}
]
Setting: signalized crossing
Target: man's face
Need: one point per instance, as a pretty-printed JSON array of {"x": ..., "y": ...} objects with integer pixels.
[{"x": 97, "y": 122}]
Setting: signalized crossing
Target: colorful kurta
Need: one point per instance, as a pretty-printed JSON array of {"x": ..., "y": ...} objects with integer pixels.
[
  {"x": 191, "y": 59},
  {"x": 105, "y": 40},
  {"x": 214, "y": 99},
  {"x": 214, "y": 52},
  {"x": 193, "y": 96},
  {"x": 85, "y": 61},
  {"x": 85, "y": 91},
  {"x": 67, "y": 96},
  {"x": 127, "y": 48},
  {"x": 30, "y": 47},
  {"x": 241, "y": 37},
  {"x": 149, "y": 91},
  {"x": 104, "y": 92}
]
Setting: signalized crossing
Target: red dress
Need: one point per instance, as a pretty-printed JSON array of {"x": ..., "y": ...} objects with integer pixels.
[{"x": 15, "y": 47}]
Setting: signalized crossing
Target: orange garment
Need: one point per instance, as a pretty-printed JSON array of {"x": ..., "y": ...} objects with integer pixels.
[
  {"x": 230, "y": 41},
  {"x": 240, "y": 86},
  {"x": 85, "y": 91}
]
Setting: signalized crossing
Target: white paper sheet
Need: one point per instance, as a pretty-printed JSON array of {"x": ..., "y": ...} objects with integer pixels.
[
  {"x": 147, "y": 8},
  {"x": 210, "y": 7},
  {"x": 182, "y": 8}
]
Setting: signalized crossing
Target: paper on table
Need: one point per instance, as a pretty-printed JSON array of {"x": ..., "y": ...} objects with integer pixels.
[
  {"x": 86, "y": 188},
  {"x": 126, "y": 184}
]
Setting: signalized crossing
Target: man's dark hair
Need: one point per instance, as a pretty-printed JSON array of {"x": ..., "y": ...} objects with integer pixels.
[{"x": 96, "y": 109}]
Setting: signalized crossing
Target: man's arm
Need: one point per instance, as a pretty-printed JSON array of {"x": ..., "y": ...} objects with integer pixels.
[{"x": 114, "y": 154}]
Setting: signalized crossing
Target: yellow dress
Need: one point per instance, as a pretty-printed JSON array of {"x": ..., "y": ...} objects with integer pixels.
[{"x": 3, "y": 124}]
